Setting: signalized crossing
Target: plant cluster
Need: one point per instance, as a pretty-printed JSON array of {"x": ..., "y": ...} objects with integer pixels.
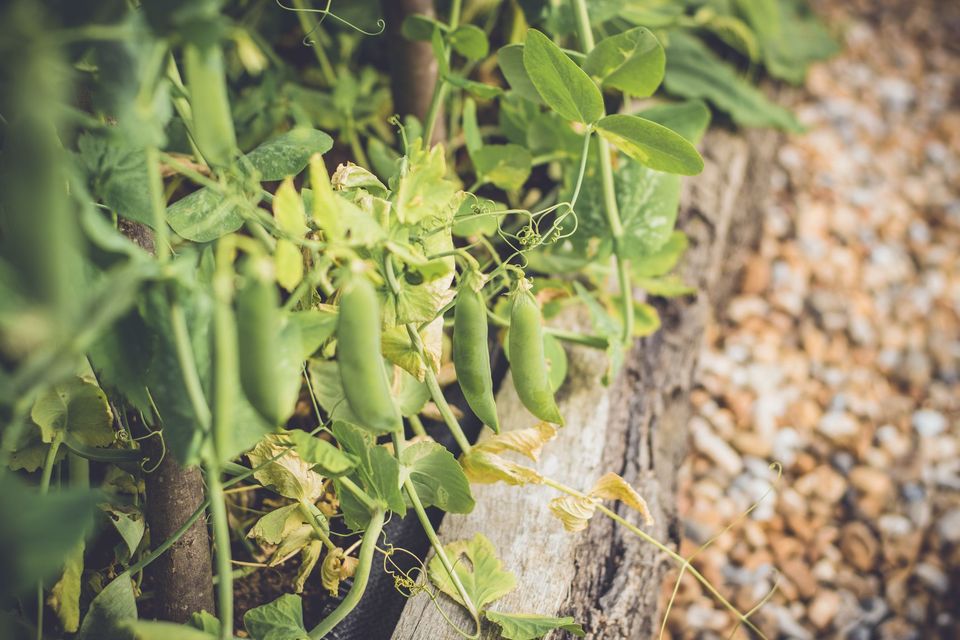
[{"x": 180, "y": 264}]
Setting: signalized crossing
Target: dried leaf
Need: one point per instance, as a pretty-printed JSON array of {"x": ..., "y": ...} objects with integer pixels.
[
  {"x": 613, "y": 487},
  {"x": 289, "y": 475},
  {"x": 527, "y": 442},
  {"x": 573, "y": 512},
  {"x": 308, "y": 560},
  {"x": 484, "y": 467}
]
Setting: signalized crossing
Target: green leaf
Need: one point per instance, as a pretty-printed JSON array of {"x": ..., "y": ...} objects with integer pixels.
[
  {"x": 377, "y": 473},
  {"x": 316, "y": 327},
  {"x": 289, "y": 475},
  {"x": 281, "y": 619},
  {"x": 288, "y": 209},
  {"x": 693, "y": 71},
  {"x": 529, "y": 626},
  {"x": 510, "y": 59},
  {"x": 470, "y": 41},
  {"x": 663, "y": 260},
  {"x": 110, "y": 612},
  {"x": 118, "y": 173},
  {"x": 277, "y": 525},
  {"x": 424, "y": 191},
  {"x": 78, "y": 407},
  {"x": 665, "y": 286},
  {"x": 791, "y": 37},
  {"x": 632, "y": 61},
  {"x": 479, "y": 90},
  {"x": 205, "y": 215},
  {"x": 65, "y": 594},
  {"x": 560, "y": 82},
  {"x": 438, "y": 477},
  {"x": 324, "y": 457},
  {"x": 328, "y": 389},
  {"x": 150, "y": 630},
  {"x": 649, "y": 201},
  {"x": 651, "y": 144},
  {"x": 205, "y": 621},
  {"x": 418, "y": 27},
  {"x": 288, "y": 153},
  {"x": 479, "y": 569},
  {"x": 129, "y": 523},
  {"x": 505, "y": 165},
  {"x": 690, "y": 118}
]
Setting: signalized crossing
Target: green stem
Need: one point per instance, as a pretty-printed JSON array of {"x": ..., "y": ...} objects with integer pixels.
[
  {"x": 358, "y": 493},
  {"x": 360, "y": 577},
  {"x": 309, "y": 26},
  {"x": 438, "y": 547},
  {"x": 683, "y": 562},
  {"x": 440, "y": 88},
  {"x": 47, "y": 474},
  {"x": 158, "y": 207},
  {"x": 585, "y": 34},
  {"x": 436, "y": 393},
  {"x": 304, "y": 508},
  {"x": 416, "y": 425},
  {"x": 221, "y": 540},
  {"x": 188, "y": 366}
]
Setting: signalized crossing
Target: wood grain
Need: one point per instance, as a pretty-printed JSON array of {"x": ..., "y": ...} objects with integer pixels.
[{"x": 606, "y": 577}]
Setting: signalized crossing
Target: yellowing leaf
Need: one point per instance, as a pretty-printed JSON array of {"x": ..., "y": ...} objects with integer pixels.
[
  {"x": 484, "y": 467},
  {"x": 65, "y": 595},
  {"x": 288, "y": 262},
  {"x": 527, "y": 442},
  {"x": 336, "y": 567},
  {"x": 480, "y": 571},
  {"x": 573, "y": 512},
  {"x": 613, "y": 487},
  {"x": 288, "y": 209},
  {"x": 528, "y": 626},
  {"x": 77, "y": 406},
  {"x": 308, "y": 560},
  {"x": 289, "y": 475}
]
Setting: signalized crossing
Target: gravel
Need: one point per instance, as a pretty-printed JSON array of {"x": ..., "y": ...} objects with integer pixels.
[{"x": 839, "y": 358}]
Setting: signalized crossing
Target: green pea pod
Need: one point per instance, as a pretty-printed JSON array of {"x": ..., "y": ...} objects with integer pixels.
[
  {"x": 212, "y": 123},
  {"x": 360, "y": 361},
  {"x": 527, "y": 361},
  {"x": 269, "y": 357},
  {"x": 471, "y": 355}
]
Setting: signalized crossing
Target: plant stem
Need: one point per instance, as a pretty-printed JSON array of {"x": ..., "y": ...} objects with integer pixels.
[
  {"x": 440, "y": 88},
  {"x": 585, "y": 34},
  {"x": 161, "y": 244},
  {"x": 304, "y": 509},
  {"x": 360, "y": 577},
  {"x": 683, "y": 562},
  {"x": 309, "y": 26},
  {"x": 416, "y": 425},
  {"x": 48, "y": 464},
  {"x": 438, "y": 546},
  {"x": 188, "y": 366},
  {"x": 221, "y": 540}
]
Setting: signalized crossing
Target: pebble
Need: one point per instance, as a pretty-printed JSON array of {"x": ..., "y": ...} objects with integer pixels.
[
  {"x": 929, "y": 423},
  {"x": 839, "y": 356}
]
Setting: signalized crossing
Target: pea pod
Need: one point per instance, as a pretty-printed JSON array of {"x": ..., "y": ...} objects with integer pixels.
[
  {"x": 471, "y": 355},
  {"x": 212, "y": 123},
  {"x": 527, "y": 361},
  {"x": 360, "y": 361},
  {"x": 268, "y": 346}
]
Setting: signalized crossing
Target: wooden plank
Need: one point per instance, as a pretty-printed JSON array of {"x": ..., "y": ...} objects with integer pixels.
[{"x": 606, "y": 577}]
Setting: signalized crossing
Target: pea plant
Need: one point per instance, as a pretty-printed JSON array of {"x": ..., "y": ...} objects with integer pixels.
[{"x": 222, "y": 249}]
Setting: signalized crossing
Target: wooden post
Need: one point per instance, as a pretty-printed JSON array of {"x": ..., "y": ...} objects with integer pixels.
[{"x": 606, "y": 577}]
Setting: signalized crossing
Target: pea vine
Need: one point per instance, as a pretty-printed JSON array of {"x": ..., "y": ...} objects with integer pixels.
[{"x": 185, "y": 279}]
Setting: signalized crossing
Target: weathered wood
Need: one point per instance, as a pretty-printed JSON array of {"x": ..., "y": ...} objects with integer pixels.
[{"x": 606, "y": 577}]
